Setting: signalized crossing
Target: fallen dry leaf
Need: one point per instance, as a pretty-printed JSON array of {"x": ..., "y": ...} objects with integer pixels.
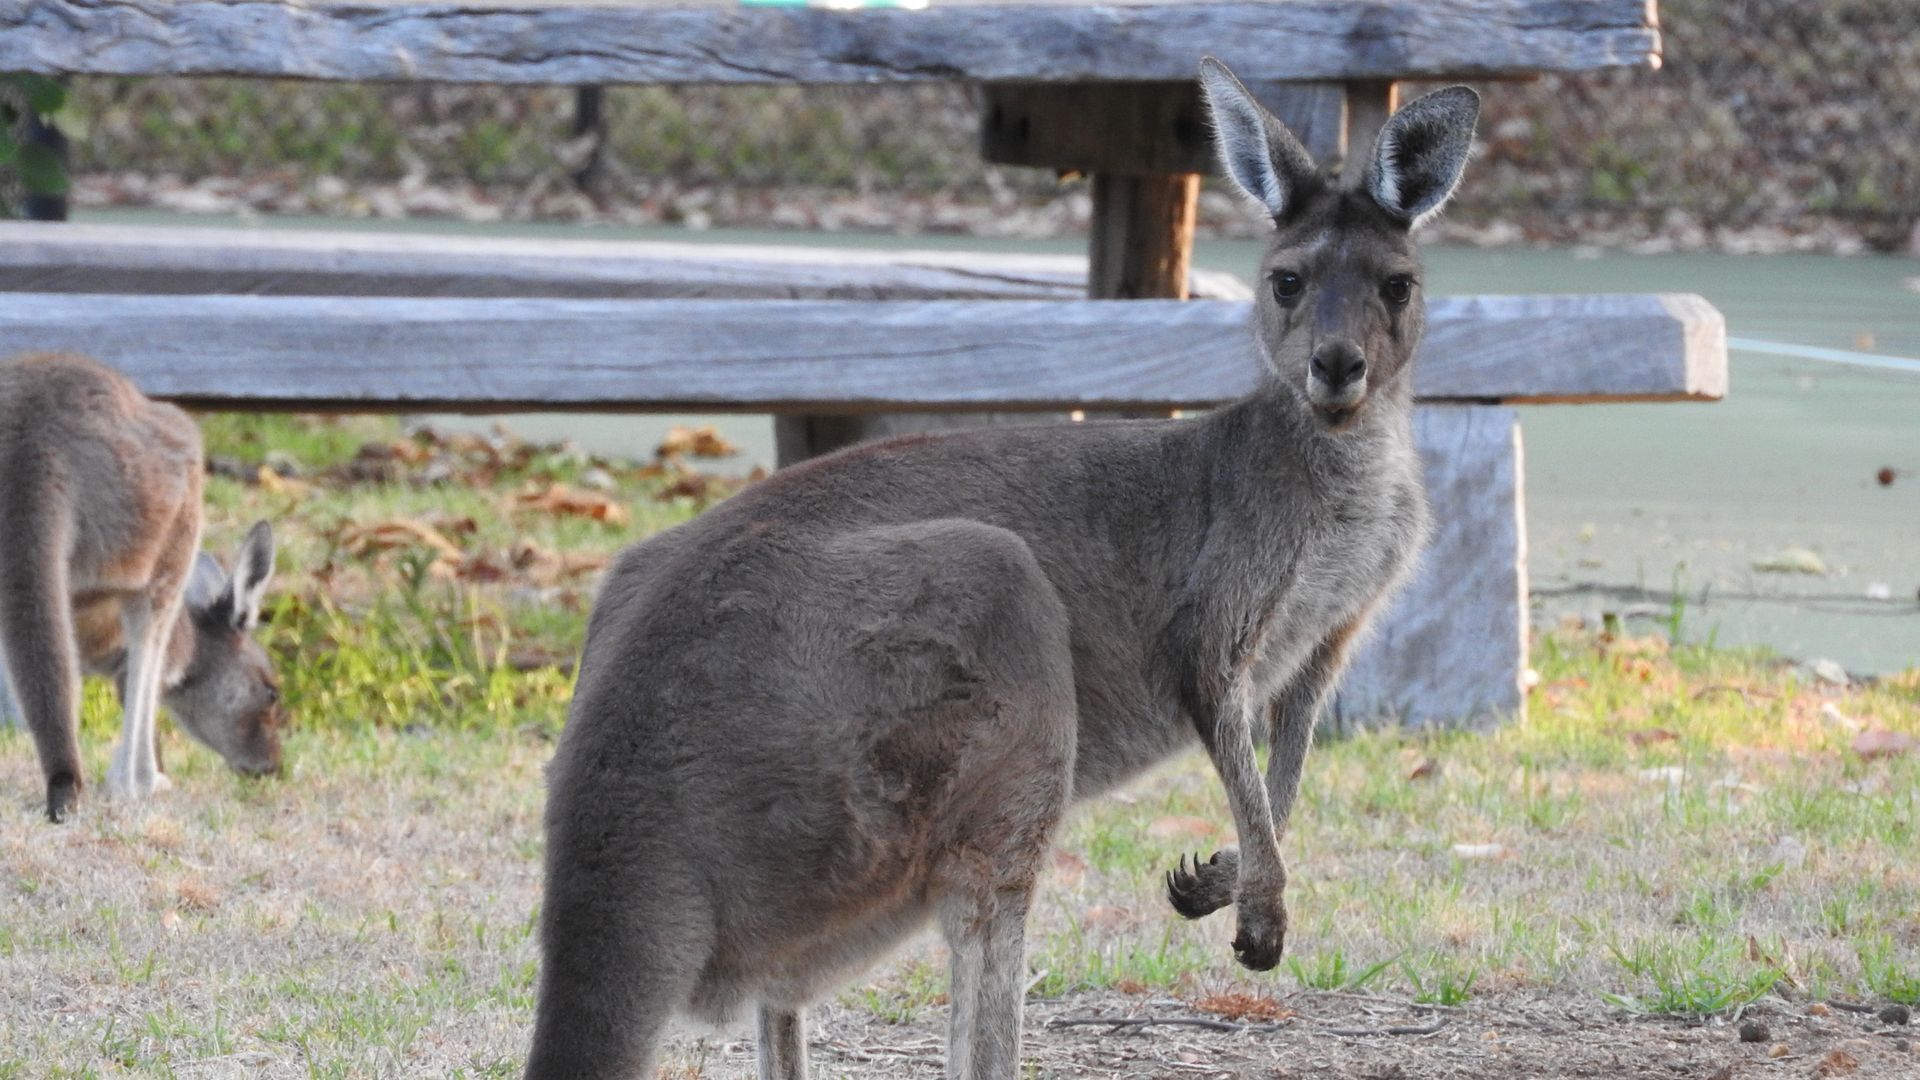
[
  {"x": 1793, "y": 560},
  {"x": 1837, "y": 1063},
  {"x": 1068, "y": 868},
  {"x": 1108, "y": 917},
  {"x": 1880, "y": 742},
  {"x": 1649, "y": 736},
  {"x": 1422, "y": 769},
  {"x": 363, "y": 540},
  {"x": 545, "y": 567},
  {"x": 564, "y": 501},
  {"x": 272, "y": 482},
  {"x": 1239, "y": 1005},
  {"x": 702, "y": 441}
]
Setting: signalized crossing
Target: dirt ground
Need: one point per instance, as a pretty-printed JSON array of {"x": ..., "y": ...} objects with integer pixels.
[{"x": 1343, "y": 1036}]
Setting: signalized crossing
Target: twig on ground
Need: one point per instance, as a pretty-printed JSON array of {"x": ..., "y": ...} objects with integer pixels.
[
  {"x": 1725, "y": 688},
  {"x": 1848, "y": 1006},
  {"x": 1394, "y": 1029},
  {"x": 1383, "y": 999},
  {"x": 1116, "y": 1023},
  {"x": 877, "y": 1054}
]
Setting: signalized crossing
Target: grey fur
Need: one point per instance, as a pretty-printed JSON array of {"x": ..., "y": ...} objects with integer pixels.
[
  {"x": 100, "y": 498},
  {"x": 859, "y": 695}
]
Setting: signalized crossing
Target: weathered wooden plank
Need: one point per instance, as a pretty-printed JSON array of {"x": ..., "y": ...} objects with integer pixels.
[
  {"x": 114, "y": 259},
  {"x": 828, "y": 355},
  {"x": 1452, "y": 648},
  {"x": 1593, "y": 347},
  {"x": 712, "y": 41}
]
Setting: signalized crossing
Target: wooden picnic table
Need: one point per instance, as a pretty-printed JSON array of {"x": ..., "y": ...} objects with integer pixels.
[{"x": 1103, "y": 89}]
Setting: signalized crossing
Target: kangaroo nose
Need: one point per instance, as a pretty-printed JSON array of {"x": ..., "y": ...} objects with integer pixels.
[{"x": 1338, "y": 365}]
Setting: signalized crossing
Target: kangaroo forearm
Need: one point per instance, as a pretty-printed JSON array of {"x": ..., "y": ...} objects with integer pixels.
[
  {"x": 1231, "y": 748},
  {"x": 1294, "y": 715}
]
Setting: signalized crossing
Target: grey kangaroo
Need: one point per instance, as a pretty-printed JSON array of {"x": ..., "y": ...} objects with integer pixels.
[
  {"x": 860, "y": 694},
  {"x": 99, "y": 526}
]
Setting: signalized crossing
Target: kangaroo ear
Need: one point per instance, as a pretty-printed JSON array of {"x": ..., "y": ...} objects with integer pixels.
[
  {"x": 207, "y": 585},
  {"x": 252, "y": 567},
  {"x": 1421, "y": 153},
  {"x": 1257, "y": 152}
]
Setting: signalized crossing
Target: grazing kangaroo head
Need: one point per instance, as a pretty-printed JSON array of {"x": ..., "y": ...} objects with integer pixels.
[
  {"x": 1338, "y": 308},
  {"x": 228, "y": 696}
]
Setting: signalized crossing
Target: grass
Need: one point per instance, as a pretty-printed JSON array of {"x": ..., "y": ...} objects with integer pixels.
[{"x": 1672, "y": 829}]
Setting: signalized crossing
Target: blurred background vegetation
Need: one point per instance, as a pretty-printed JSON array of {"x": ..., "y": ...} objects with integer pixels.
[{"x": 1774, "y": 123}]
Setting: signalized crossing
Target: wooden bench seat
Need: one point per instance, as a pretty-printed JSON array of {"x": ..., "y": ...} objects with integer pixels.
[
  {"x": 1453, "y": 647},
  {"x": 79, "y": 257}
]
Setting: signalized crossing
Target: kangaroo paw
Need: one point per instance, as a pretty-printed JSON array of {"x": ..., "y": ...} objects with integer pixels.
[
  {"x": 1204, "y": 888},
  {"x": 63, "y": 796}
]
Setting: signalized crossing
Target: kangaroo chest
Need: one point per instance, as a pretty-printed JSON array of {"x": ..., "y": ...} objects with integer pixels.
[{"x": 1354, "y": 549}]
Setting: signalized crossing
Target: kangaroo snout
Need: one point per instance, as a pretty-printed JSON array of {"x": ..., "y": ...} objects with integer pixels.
[{"x": 1337, "y": 377}]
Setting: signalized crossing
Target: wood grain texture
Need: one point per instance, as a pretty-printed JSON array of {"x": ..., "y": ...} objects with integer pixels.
[
  {"x": 1142, "y": 236},
  {"x": 1450, "y": 650},
  {"x": 575, "y": 42},
  {"x": 1316, "y": 113},
  {"x": 1132, "y": 128},
  {"x": 828, "y": 355},
  {"x": 114, "y": 259}
]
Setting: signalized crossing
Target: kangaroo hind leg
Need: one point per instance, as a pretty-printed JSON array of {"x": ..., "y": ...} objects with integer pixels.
[
  {"x": 1012, "y": 779},
  {"x": 783, "y": 1043}
]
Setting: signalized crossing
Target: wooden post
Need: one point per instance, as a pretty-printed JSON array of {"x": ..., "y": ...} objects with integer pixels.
[
  {"x": 1142, "y": 236},
  {"x": 590, "y": 122},
  {"x": 35, "y": 131},
  {"x": 1369, "y": 103}
]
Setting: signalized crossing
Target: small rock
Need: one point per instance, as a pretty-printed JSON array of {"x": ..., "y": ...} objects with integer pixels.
[
  {"x": 599, "y": 480},
  {"x": 1830, "y": 671},
  {"x": 1788, "y": 852},
  {"x": 1885, "y": 476},
  {"x": 1779, "y": 1050},
  {"x": 232, "y": 468},
  {"x": 1819, "y": 1008},
  {"x": 1670, "y": 775},
  {"x": 1896, "y": 1014},
  {"x": 283, "y": 463},
  {"x": 1753, "y": 1031},
  {"x": 1879, "y": 590},
  {"x": 1831, "y": 714},
  {"x": 1481, "y": 851},
  {"x": 1880, "y": 742}
]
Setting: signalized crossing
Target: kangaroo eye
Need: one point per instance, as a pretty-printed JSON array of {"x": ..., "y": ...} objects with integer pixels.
[
  {"x": 1287, "y": 286},
  {"x": 273, "y": 694},
  {"x": 1398, "y": 290}
]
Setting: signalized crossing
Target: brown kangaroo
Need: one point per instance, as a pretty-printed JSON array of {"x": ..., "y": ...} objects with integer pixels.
[
  {"x": 99, "y": 526},
  {"x": 859, "y": 695}
]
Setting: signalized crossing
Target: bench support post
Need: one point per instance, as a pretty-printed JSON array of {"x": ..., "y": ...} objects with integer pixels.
[{"x": 1451, "y": 649}]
